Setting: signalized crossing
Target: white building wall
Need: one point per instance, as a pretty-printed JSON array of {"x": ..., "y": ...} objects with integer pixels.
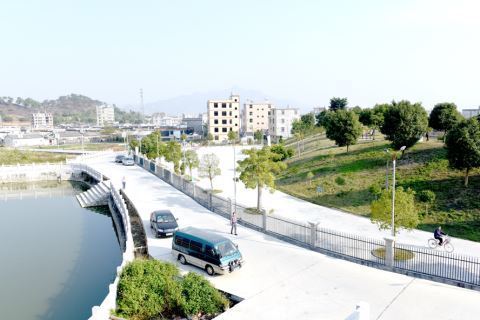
[
  {"x": 255, "y": 116},
  {"x": 105, "y": 115},
  {"x": 280, "y": 122},
  {"x": 223, "y": 116}
]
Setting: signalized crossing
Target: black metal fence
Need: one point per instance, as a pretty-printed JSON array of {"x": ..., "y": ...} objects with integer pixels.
[{"x": 413, "y": 260}]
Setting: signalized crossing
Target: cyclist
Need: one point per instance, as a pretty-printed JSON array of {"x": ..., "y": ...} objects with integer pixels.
[{"x": 438, "y": 234}]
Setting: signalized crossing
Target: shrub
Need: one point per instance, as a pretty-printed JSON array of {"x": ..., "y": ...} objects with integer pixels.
[
  {"x": 283, "y": 152},
  {"x": 340, "y": 181},
  {"x": 375, "y": 190},
  {"x": 200, "y": 296}
]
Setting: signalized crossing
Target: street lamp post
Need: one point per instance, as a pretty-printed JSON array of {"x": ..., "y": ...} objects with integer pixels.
[
  {"x": 394, "y": 160},
  {"x": 234, "y": 179}
]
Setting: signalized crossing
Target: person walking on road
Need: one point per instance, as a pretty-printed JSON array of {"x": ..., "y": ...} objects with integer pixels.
[
  {"x": 124, "y": 182},
  {"x": 233, "y": 221}
]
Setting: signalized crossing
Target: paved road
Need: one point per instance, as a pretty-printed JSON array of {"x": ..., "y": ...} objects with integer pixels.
[{"x": 282, "y": 281}]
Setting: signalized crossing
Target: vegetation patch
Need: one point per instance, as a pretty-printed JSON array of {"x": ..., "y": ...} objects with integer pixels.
[
  {"x": 15, "y": 156},
  {"x": 400, "y": 254},
  {"x": 151, "y": 289}
]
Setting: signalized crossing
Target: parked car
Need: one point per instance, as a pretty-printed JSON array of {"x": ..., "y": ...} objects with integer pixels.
[
  {"x": 119, "y": 158},
  {"x": 207, "y": 250},
  {"x": 163, "y": 223},
  {"x": 128, "y": 161}
]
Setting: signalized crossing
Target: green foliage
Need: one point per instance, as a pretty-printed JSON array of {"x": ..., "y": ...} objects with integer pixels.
[
  {"x": 343, "y": 127},
  {"x": 191, "y": 160},
  {"x": 283, "y": 152},
  {"x": 338, "y": 104},
  {"x": 209, "y": 167},
  {"x": 406, "y": 215},
  {"x": 258, "y": 135},
  {"x": 15, "y": 156},
  {"x": 375, "y": 190},
  {"x": 308, "y": 121},
  {"x": 258, "y": 170},
  {"x": 151, "y": 289},
  {"x": 463, "y": 146},
  {"x": 321, "y": 119},
  {"x": 444, "y": 116},
  {"x": 426, "y": 196},
  {"x": 232, "y": 136},
  {"x": 310, "y": 176},
  {"x": 210, "y": 137},
  {"x": 340, "y": 180},
  {"x": 404, "y": 123},
  {"x": 200, "y": 296},
  {"x": 123, "y": 117},
  {"x": 173, "y": 153}
]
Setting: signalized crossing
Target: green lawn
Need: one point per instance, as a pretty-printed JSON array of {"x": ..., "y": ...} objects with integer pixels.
[
  {"x": 347, "y": 178},
  {"x": 12, "y": 156}
]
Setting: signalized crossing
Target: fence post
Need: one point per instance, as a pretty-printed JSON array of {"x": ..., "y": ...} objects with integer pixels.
[
  {"x": 264, "y": 220},
  {"x": 389, "y": 251},
  {"x": 313, "y": 233}
]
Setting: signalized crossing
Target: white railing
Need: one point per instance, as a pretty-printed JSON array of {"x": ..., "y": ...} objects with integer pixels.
[
  {"x": 76, "y": 167},
  {"x": 33, "y": 171},
  {"x": 89, "y": 156},
  {"x": 110, "y": 302}
]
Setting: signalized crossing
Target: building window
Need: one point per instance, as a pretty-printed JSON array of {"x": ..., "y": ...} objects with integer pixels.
[
  {"x": 224, "y": 105},
  {"x": 283, "y": 120},
  {"x": 215, "y": 129},
  {"x": 215, "y": 121},
  {"x": 230, "y": 113},
  {"x": 236, "y": 117},
  {"x": 283, "y": 112},
  {"x": 224, "y": 113},
  {"x": 224, "y": 121},
  {"x": 229, "y": 105},
  {"x": 215, "y": 105},
  {"x": 236, "y": 124},
  {"x": 235, "y": 108},
  {"x": 224, "y": 129},
  {"x": 231, "y": 129},
  {"x": 216, "y": 137},
  {"x": 230, "y": 121},
  {"x": 283, "y": 129},
  {"x": 215, "y": 113},
  {"x": 250, "y": 113},
  {"x": 251, "y": 120}
]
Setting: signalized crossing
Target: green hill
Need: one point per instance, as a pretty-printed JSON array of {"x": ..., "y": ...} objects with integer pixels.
[{"x": 347, "y": 180}]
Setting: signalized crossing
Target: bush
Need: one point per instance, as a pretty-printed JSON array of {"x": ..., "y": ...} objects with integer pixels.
[
  {"x": 340, "y": 181},
  {"x": 150, "y": 288},
  {"x": 283, "y": 152},
  {"x": 200, "y": 296},
  {"x": 375, "y": 190}
]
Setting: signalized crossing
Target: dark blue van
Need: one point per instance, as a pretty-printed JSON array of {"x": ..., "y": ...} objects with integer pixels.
[{"x": 207, "y": 250}]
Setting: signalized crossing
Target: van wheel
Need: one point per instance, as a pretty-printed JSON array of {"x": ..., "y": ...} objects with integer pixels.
[
  {"x": 209, "y": 270},
  {"x": 182, "y": 259}
]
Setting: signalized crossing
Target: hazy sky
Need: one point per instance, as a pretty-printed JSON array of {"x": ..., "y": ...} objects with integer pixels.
[{"x": 307, "y": 51}]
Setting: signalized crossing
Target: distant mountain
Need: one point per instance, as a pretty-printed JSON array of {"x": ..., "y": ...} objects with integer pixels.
[{"x": 197, "y": 102}]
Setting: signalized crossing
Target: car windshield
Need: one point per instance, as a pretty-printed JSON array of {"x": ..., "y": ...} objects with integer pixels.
[
  {"x": 226, "y": 248},
  {"x": 165, "y": 218},
  {"x": 128, "y": 159}
]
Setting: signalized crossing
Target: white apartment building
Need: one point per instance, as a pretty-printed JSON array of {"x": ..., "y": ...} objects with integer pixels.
[
  {"x": 42, "y": 120},
  {"x": 105, "y": 115},
  {"x": 469, "y": 113},
  {"x": 223, "y": 116},
  {"x": 162, "y": 120},
  {"x": 280, "y": 122},
  {"x": 255, "y": 116}
]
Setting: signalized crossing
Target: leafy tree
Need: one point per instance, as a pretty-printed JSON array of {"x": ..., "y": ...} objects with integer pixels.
[
  {"x": 427, "y": 197},
  {"x": 343, "y": 127},
  {"x": 338, "y": 104},
  {"x": 406, "y": 215},
  {"x": 308, "y": 120},
  {"x": 232, "y": 136},
  {"x": 258, "y": 135},
  {"x": 357, "y": 110},
  {"x": 258, "y": 170},
  {"x": 444, "y": 116},
  {"x": 463, "y": 146},
  {"x": 404, "y": 123},
  {"x": 173, "y": 153},
  {"x": 209, "y": 167},
  {"x": 191, "y": 160},
  {"x": 283, "y": 152},
  {"x": 321, "y": 119},
  {"x": 209, "y": 137},
  {"x": 373, "y": 118}
]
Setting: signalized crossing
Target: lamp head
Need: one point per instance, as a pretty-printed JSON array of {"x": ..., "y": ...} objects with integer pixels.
[{"x": 403, "y": 148}]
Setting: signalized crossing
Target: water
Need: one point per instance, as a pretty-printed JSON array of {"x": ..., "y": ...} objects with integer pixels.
[{"x": 56, "y": 258}]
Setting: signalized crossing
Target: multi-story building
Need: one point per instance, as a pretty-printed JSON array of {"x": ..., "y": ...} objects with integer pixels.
[
  {"x": 162, "y": 120},
  {"x": 469, "y": 113},
  {"x": 196, "y": 123},
  {"x": 42, "y": 120},
  {"x": 105, "y": 115},
  {"x": 280, "y": 122},
  {"x": 223, "y": 116},
  {"x": 255, "y": 116}
]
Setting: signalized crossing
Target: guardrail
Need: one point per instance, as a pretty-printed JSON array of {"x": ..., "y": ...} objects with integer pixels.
[
  {"x": 79, "y": 167},
  {"x": 102, "y": 311},
  {"x": 460, "y": 270}
]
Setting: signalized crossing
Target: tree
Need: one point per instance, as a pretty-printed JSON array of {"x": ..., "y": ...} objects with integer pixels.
[
  {"x": 404, "y": 123},
  {"x": 338, "y": 104},
  {"x": 191, "y": 161},
  {"x": 373, "y": 118},
  {"x": 310, "y": 176},
  {"x": 283, "y": 152},
  {"x": 427, "y": 197},
  {"x": 173, "y": 153},
  {"x": 357, "y": 110},
  {"x": 209, "y": 137},
  {"x": 258, "y": 170},
  {"x": 406, "y": 215},
  {"x": 308, "y": 120},
  {"x": 232, "y": 136},
  {"x": 209, "y": 167},
  {"x": 443, "y": 117},
  {"x": 321, "y": 118},
  {"x": 343, "y": 127},
  {"x": 463, "y": 146},
  {"x": 258, "y": 136}
]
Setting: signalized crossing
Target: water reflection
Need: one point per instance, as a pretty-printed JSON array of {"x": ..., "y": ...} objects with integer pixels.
[{"x": 57, "y": 259}]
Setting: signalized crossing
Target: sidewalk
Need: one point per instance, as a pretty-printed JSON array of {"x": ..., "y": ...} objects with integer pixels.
[{"x": 283, "y": 281}]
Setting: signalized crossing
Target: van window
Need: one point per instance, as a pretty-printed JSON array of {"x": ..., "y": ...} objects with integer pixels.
[
  {"x": 181, "y": 241},
  {"x": 195, "y": 246},
  {"x": 210, "y": 251},
  {"x": 226, "y": 248}
]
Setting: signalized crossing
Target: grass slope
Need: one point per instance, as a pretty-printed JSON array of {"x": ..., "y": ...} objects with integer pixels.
[
  {"x": 13, "y": 156},
  {"x": 346, "y": 179}
]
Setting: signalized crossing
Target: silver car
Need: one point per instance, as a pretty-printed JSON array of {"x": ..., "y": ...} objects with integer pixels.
[{"x": 128, "y": 161}]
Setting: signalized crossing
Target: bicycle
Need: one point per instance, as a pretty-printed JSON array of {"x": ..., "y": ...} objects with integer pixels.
[{"x": 447, "y": 246}]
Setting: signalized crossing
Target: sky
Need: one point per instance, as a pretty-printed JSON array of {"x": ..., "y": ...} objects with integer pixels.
[{"x": 370, "y": 51}]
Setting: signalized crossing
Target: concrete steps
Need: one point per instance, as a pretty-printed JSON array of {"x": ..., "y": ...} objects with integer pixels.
[{"x": 95, "y": 196}]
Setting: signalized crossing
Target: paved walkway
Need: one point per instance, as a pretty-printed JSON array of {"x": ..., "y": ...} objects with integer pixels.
[
  {"x": 285, "y": 205},
  {"x": 282, "y": 281}
]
